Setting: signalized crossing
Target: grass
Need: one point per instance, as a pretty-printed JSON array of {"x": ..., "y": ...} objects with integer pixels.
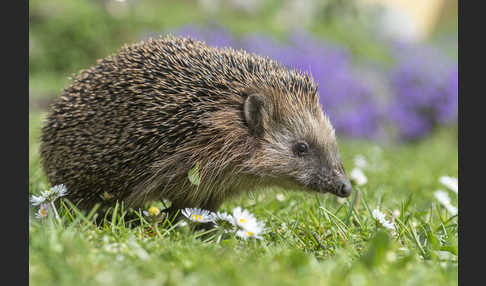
[{"x": 312, "y": 239}]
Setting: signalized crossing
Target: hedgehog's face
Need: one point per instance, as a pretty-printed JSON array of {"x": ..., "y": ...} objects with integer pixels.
[{"x": 295, "y": 148}]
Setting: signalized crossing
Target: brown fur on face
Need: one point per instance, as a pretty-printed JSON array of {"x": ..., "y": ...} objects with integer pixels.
[
  {"x": 289, "y": 119},
  {"x": 134, "y": 125}
]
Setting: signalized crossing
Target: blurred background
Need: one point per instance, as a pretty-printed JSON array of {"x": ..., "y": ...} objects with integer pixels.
[{"x": 386, "y": 69}]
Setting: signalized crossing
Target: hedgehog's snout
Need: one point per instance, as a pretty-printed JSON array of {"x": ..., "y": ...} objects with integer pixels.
[
  {"x": 343, "y": 188},
  {"x": 336, "y": 184}
]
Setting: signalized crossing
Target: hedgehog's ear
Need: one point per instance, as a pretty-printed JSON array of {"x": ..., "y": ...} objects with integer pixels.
[{"x": 254, "y": 109}]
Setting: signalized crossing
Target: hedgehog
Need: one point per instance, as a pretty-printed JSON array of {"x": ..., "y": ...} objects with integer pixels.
[{"x": 131, "y": 127}]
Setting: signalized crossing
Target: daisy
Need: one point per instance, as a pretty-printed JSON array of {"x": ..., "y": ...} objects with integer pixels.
[
  {"x": 198, "y": 215},
  {"x": 49, "y": 195},
  {"x": 449, "y": 182},
  {"x": 358, "y": 176},
  {"x": 152, "y": 211},
  {"x": 218, "y": 217},
  {"x": 252, "y": 230},
  {"x": 59, "y": 190},
  {"x": 43, "y": 211},
  {"x": 243, "y": 218},
  {"x": 380, "y": 217},
  {"x": 444, "y": 200},
  {"x": 280, "y": 197},
  {"x": 224, "y": 220},
  {"x": 37, "y": 200},
  {"x": 340, "y": 200},
  {"x": 360, "y": 162}
]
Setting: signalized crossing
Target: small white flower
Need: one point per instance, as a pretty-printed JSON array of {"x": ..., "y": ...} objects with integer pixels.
[
  {"x": 358, "y": 177},
  {"x": 280, "y": 197},
  {"x": 243, "y": 218},
  {"x": 223, "y": 217},
  {"x": 224, "y": 220},
  {"x": 59, "y": 190},
  {"x": 43, "y": 211},
  {"x": 198, "y": 215},
  {"x": 340, "y": 200},
  {"x": 252, "y": 230},
  {"x": 380, "y": 217},
  {"x": 49, "y": 195},
  {"x": 450, "y": 182},
  {"x": 360, "y": 161},
  {"x": 37, "y": 200},
  {"x": 249, "y": 226},
  {"x": 444, "y": 200}
]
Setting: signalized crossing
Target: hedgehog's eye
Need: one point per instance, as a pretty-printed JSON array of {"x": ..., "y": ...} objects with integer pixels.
[{"x": 301, "y": 148}]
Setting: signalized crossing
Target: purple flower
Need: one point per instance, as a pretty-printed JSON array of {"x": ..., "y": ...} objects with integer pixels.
[
  {"x": 425, "y": 91},
  {"x": 418, "y": 93}
]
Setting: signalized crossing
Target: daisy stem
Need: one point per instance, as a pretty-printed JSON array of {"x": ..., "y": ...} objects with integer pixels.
[
  {"x": 219, "y": 238},
  {"x": 55, "y": 212},
  {"x": 157, "y": 230}
]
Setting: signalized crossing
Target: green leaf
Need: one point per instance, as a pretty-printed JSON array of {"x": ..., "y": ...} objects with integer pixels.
[{"x": 193, "y": 175}]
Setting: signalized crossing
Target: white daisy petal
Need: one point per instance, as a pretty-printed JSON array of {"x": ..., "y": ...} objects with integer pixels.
[
  {"x": 380, "y": 217},
  {"x": 198, "y": 215},
  {"x": 49, "y": 195},
  {"x": 37, "y": 200},
  {"x": 43, "y": 211},
  {"x": 280, "y": 197},
  {"x": 248, "y": 226},
  {"x": 223, "y": 217},
  {"x": 445, "y": 201},
  {"x": 242, "y": 217},
  {"x": 225, "y": 221},
  {"x": 450, "y": 182},
  {"x": 360, "y": 162},
  {"x": 245, "y": 234},
  {"x": 358, "y": 177},
  {"x": 59, "y": 190},
  {"x": 253, "y": 230}
]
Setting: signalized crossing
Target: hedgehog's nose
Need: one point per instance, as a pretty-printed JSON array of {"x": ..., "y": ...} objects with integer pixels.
[{"x": 344, "y": 188}]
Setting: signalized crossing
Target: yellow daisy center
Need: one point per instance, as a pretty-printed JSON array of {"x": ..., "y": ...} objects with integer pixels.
[
  {"x": 196, "y": 217},
  {"x": 242, "y": 220},
  {"x": 153, "y": 211},
  {"x": 250, "y": 233}
]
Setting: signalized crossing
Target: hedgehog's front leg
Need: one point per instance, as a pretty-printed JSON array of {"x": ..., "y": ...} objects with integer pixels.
[{"x": 212, "y": 204}]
